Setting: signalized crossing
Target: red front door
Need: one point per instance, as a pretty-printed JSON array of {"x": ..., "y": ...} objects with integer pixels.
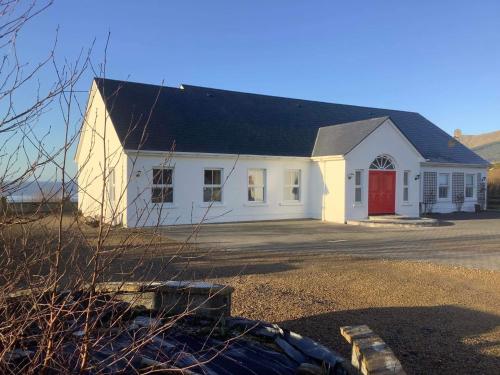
[{"x": 381, "y": 192}]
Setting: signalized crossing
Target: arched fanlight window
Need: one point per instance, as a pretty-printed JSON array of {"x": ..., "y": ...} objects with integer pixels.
[{"x": 382, "y": 162}]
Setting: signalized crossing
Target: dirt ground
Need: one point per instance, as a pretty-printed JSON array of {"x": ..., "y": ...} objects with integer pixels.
[{"x": 438, "y": 318}]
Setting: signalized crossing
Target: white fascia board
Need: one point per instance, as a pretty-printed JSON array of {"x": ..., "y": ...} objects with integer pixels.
[
  {"x": 327, "y": 158},
  {"x": 209, "y": 155}
]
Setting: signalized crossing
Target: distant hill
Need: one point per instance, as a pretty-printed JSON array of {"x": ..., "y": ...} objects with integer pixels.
[
  {"x": 490, "y": 152},
  {"x": 473, "y": 141},
  {"x": 486, "y": 145},
  {"x": 33, "y": 192}
]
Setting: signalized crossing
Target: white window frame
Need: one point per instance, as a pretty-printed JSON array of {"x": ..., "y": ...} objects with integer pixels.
[
  {"x": 358, "y": 186},
  {"x": 473, "y": 186},
  {"x": 211, "y": 186},
  {"x": 163, "y": 185},
  {"x": 263, "y": 186},
  {"x": 287, "y": 185},
  {"x": 406, "y": 186},
  {"x": 448, "y": 195}
]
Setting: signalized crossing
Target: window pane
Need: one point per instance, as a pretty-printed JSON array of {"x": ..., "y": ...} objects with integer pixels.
[
  {"x": 358, "y": 178},
  {"x": 357, "y": 194},
  {"x": 405, "y": 178},
  {"x": 259, "y": 194},
  {"x": 157, "y": 176},
  {"x": 292, "y": 193},
  {"x": 293, "y": 178},
  {"x": 207, "y": 180},
  {"x": 251, "y": 195},
  {"x": 162, "y": 176},
  {"x": 217, "y": 176},
  {"x": 216, "y": 194},
  {"x": 255, "y": 194},
  {"x": 443, "y": 179},
  {"x": 443, "y": 192},
  {"x": 256, "y": 177},
  {"x": 156, "y": 195},
  {"x": 207, "y": 194},
  {"x": 469, "y": 191},
  {"x": 212, "y": 194},
  {"x": 167, "y": 176},
  {"x": 470, "y": 179},
  {"x": 162, "y": 195},
  {"x": 405, "y": 194},
  {"x": 168, "y": 195}
]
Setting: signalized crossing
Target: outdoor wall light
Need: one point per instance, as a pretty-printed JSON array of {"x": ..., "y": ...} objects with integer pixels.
[
  {"x": 350, "y": 176},
  {"x": 138, "y": 174},
  {"x": 483, "y": 179},
  {"x": 417, "y": 177}
]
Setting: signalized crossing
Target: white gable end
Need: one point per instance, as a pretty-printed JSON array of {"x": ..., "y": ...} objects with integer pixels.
[{"x": 385, "y": 140}]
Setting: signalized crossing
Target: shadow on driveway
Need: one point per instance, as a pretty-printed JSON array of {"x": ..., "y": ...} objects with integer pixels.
[
  {"x": 427, "y": 340},
  {"x": 459, "y": 216}
]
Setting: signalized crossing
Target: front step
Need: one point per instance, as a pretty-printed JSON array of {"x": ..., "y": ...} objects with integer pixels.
[
  {"x": 395, "y": 221},
  {"x": 391, "y": 217}
]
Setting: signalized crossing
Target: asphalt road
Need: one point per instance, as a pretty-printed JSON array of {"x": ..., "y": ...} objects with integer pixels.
[{"x": 467, "y": 240}]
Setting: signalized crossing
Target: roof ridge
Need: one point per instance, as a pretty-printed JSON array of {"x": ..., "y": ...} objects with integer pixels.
[
  {"x": 183, "y": 86},
  {"x": 298, "y": 99}
]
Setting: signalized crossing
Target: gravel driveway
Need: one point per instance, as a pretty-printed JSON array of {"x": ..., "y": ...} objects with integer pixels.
[
  {"x": 467, "y": 240},
  {"x": 314, "y": 277}
]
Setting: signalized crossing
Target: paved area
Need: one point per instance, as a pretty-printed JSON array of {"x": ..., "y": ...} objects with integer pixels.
[{"x": 467, "y": 240}]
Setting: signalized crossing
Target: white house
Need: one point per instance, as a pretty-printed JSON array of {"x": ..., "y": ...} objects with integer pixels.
[{"x": 160, "y": 155}]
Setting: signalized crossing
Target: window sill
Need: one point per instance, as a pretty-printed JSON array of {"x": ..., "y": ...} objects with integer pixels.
[
  {"x": 406, "y": 204},
  {"x": 358, "y": 204},
  {"x": 213, "y": 205},
  {"x": 256, "y": 204},
  {"x": 166, "y": 205},
  {"x": 291, "y": 203}
]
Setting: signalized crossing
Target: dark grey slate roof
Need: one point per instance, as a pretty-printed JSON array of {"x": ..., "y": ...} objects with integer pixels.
[
  {"x": 206, "y": 120},
  {"x": 342, "y": 138}
]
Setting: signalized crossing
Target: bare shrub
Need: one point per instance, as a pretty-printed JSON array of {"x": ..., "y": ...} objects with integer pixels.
[{"x": 51, "y": 311}]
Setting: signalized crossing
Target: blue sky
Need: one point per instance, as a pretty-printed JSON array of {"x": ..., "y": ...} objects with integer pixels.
[{"x": 439, "y": 58}]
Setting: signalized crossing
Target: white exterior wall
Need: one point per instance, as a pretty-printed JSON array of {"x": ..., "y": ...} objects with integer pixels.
[
  {"x": 316, "y": 189},
  {"x": 329, "y": 189},
  {"x": 188, "y": 206},
  {"x": 385, "y": 140},
  {"x": 446, "y": 205},
  {"x": 91, "y": 162}
]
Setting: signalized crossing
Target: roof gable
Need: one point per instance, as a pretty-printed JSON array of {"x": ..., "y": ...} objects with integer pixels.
[
  {"x": 205, "y": 120},
  {"x": 342, "y": 138}
]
